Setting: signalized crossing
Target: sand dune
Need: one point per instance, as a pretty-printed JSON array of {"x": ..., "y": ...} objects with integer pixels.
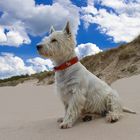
[{"x": 29, "y": 112}]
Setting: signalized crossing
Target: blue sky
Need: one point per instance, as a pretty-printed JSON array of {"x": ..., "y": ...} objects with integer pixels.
[{"x": 97, "y": 24}]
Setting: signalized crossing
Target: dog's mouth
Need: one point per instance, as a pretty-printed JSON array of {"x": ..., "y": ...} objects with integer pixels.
[{"x": 42, "y": 53}]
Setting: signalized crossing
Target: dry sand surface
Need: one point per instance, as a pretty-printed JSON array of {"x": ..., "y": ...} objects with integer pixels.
[{"x": 29, "y": 112}]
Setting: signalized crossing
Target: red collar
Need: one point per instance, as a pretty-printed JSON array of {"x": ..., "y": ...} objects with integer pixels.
[{"x": 66, "y": 64}]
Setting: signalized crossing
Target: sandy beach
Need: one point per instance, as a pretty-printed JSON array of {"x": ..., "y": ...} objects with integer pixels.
[{"x": 30, "y": 112}]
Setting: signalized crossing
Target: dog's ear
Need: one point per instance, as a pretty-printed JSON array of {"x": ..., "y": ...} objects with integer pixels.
[
  {"x": 67, "y": 28},
  {"x": 52, "y": 29}
]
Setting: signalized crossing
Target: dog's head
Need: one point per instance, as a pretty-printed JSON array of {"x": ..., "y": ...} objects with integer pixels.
[{"x": 57, "y": 44}]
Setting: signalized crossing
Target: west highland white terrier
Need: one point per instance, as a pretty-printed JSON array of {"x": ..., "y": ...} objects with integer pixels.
[{"x": 82, "y": 93}]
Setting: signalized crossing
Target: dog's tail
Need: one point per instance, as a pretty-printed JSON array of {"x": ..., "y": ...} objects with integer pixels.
[{"x": 128, "y": 110}]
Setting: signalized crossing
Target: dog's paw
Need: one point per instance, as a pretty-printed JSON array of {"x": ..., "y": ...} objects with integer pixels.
[
  {"x": 65, "y": 125},
  {"x": 60, "y": 120},
  {"x": 112, "y": 117}
]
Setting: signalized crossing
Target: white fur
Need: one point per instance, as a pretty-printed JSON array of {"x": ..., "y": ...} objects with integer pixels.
[{"x": 79, "y": 90}]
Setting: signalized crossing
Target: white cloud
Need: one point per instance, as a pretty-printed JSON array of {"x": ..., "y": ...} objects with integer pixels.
[
  {"x": 2, "y": 35},
  {"x": 39, "y": 64},
  {"x": 121, "y": 22},
  {"x": 83, "y": 50},
  {"x": 120, "y": 6},
  {"x": 13, "y": 38},
  {"x": 11, "y": 65},
  {"x": 90, "y": 2},
  {"x": 26, "y": 18},
  {"x": 113, "y": 4}
]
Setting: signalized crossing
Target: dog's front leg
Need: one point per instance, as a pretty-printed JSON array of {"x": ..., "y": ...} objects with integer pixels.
[
  {"x": 60, "y": 120},
  {"x": 74, "y": 109}
]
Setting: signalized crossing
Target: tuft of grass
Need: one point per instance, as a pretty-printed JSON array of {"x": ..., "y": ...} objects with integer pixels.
[
  {"x": 50, "y": 81},
  {"x": 14, "y": 78},
  {"x": 41, "y": 76},
  {"x": 127, "y": 53},
  {"x": 132, "y": 68}
]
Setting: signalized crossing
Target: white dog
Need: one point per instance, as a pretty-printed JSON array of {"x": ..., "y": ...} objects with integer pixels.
[{"x": 81, "y": 92}]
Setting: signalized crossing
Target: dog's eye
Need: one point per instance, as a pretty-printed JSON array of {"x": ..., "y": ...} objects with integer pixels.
[{"x": 53, "y": 40}]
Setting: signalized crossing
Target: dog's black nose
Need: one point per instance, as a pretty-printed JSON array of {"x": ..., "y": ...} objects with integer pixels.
[{"x": 39, "y": 47}]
